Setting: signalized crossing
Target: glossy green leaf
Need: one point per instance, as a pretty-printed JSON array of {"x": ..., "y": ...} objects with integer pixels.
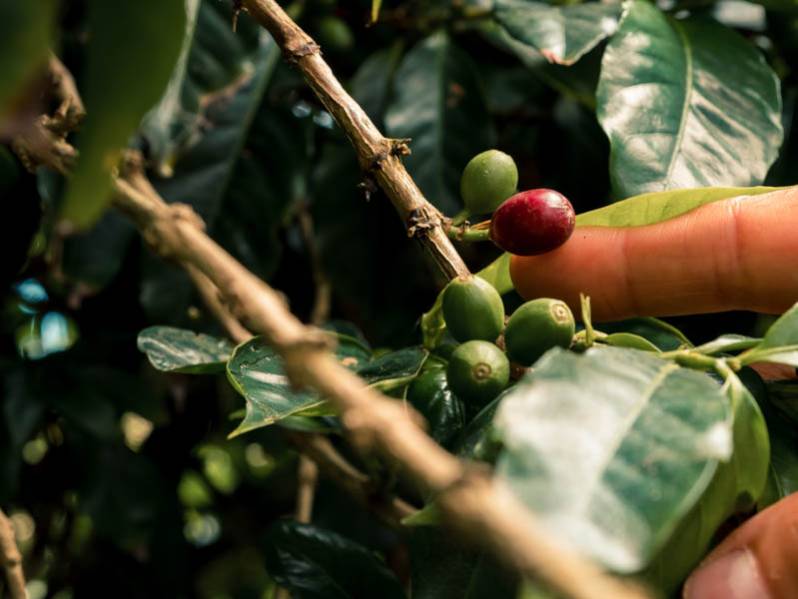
[
  {"x": 198, "y": 129},
  {"x": 26, "y": 31},
  {"x": 612, "y": 448},
  {"x": 178, "y": 350},
  {"x": 256, "y": 372},
  {"x": 727, "y": 344},
  {"x": 213, "y": 149},
  {"x": 316, "y": 563},
  {"x": 124, "y": 79},
  {"x": 673, "y": 118},
  {"x": 630, "y": 340},
  {"x": 440, "y": 106},
  {"x": 780, "y": 344},
  {"x": 563, "y": 34},
  {"x": 395, "y": 370},
  {"x": 735, "y": 488},
  {"x": 444, "y": 412}
]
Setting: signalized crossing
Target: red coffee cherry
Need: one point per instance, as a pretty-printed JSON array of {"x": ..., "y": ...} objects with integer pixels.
[{"x": 533, "y": 222}]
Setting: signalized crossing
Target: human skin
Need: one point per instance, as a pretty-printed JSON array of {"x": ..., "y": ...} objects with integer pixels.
[
  {"x": 733, "y": 254},
  {"x": 736, "y": 254}
]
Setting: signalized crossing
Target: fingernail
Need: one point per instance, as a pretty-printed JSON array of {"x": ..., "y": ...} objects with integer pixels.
[{"x": 736, "y": 575}]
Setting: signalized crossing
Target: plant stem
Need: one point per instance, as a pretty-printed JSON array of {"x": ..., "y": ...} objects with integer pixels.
[{"x": 379, "y": 157}]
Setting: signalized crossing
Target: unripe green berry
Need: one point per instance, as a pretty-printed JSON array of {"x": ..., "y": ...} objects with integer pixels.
[
  {"x": 473, "y": 309},
  {"x": 536, "y": 327},
  {"x": 478, "y": 371},
  {"x": 488, "y": 179}
]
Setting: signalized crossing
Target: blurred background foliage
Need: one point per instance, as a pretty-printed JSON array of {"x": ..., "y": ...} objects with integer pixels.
[{"x": 122, "y": 480}]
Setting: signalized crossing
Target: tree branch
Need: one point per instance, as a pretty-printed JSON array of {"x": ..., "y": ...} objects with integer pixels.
[
  {"x": 471, "y": 501},
  {"x": 11, "y": 559},
  {"x": 379, "y": 156}
]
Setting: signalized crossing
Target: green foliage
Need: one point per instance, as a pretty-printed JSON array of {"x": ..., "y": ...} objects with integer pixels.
[
  {"x": 440, "y": 106},
  {"x": 126, "y": 464},
  {"x": 115, "y": 94},
  {"x": 315, "y": 563},
  {"x": 670, "y": 126},
  {"x": 582, "y": 434}
]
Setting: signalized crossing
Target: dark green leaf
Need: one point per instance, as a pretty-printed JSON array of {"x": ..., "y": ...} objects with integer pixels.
[
  {"x": 563, "y": 34},
  {"x": 440, "y": 106},
  {"x": 124, "y": 78},
  {"x": 178, "y": 350},
  {"x": 395, "y": 369},
  {"x": 672, "y": 117},
  {"x": 442, "y": 568},
  {"x": 314, "y": 563},
  {"x": 199, "y": 128},
  {"x": 612, "y": 448},
  {"x": 444, "y": 412},
  {"x": 256, "y": 372},
  {"x": 371, "y": 84}
]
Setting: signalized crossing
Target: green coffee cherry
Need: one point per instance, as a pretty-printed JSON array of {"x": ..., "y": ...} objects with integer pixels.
[
  {"x": 536, "y": 327},
  {"x": 473, "y": 309},
  {"x": 488, "y": 179},
  {"x": 478, "y": 371}
]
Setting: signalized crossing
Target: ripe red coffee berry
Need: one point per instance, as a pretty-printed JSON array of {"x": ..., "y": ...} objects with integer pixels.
[{"x": 532, "y": 222}]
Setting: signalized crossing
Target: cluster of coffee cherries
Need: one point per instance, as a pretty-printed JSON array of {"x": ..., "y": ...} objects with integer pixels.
[{"x": 525, "y": 223}]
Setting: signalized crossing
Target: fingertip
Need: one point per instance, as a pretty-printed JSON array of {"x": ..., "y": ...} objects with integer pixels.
[{"x": 769, "y": 541}]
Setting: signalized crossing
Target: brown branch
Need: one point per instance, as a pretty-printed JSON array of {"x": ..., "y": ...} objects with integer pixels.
[
  {"x": 390, "y": 509},
  {"x": 307, "y": 476},
  {"x": 379, "y": 156},
  {"x": 374, "y": 422},
  {"x": 44, "y": 140},
  {"x": 11, "y": 559},
  {"x": 323, "y": 293}
]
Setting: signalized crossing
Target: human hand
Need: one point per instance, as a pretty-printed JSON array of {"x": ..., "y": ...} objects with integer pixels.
[{"x": 733, "y": 254}]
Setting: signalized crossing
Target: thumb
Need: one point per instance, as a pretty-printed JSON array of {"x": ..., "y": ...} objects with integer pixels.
[
  {"x": 727, "y": 255},
  {"x": 756, "y": 561}
]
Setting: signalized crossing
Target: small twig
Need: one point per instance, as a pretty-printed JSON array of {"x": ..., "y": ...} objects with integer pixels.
[
  {"x": 307, "y": 476},
  {"x": 323, "y": 293},
  {"x": 11, "y": 559},
  {"x": 389, "y": 508}
]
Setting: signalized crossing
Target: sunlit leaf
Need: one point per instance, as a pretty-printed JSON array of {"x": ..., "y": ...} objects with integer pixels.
[
  {"x": 178, "y": 350},
  {"x": 612, "y": 448},
  {"x": 563, "y": 34},
  {"x": 673, "y": 119}
]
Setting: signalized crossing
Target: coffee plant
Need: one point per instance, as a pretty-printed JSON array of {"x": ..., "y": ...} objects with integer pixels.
[{"x": 589, "y": 339}]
